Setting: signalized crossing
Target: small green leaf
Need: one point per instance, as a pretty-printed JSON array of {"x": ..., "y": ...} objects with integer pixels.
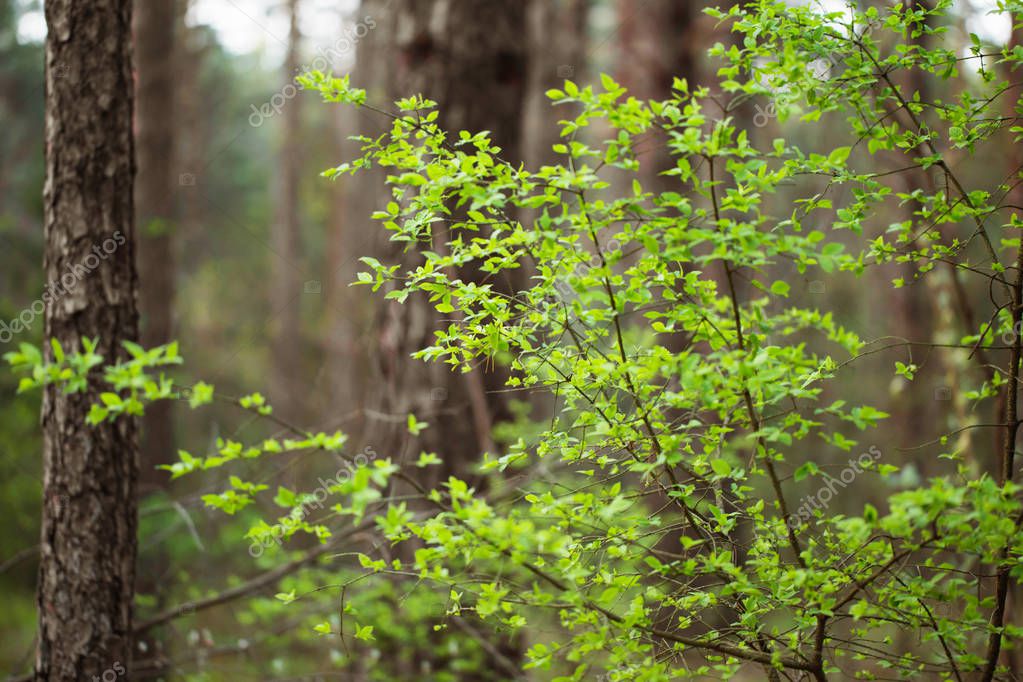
[
  {"x": 286, "y": 597},
  {"x": 721, "y": 467}
]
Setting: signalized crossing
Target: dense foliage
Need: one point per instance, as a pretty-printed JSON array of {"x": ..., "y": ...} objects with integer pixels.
[{"x": 671, "y": 518}]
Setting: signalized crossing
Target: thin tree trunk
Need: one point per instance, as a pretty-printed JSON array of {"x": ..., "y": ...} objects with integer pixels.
[
  {"x": 914, "y": 412},
  {"x": 156, "y": 185},
  {"x": 353, "y": 355},
  {"x": 285, "y": 387},
  {"x": 192, "y": 134},
  {"x": 557, "y": 46},
  {"x": 87, "y": 558},
  {"x": 1013, "y": 657},
  {"x": 155, "y": 22},
  {"x": 340, "y": 374},
  {"x": 657, "y": 42}
]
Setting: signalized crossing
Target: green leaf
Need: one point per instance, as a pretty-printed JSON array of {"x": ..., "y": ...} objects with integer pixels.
[
  {"x": 721, "y": 467},
  {"x": 58, "y": 352},
  {"x": 804, "y": 470},
  {"x": 839, "y": 155},
  {"x": 110, "y": 399}
]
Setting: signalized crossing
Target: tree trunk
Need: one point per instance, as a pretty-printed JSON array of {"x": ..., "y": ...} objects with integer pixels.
[
  {"x": 156, "y": 187},
  {"x": 1013, "y": 657},
  {"x": 339, "y": 376},
  {"x": 557, "y": 45},
  {"x": 155, "y": 22},
  {"x": 352, "y": 354},
  {"x": 87, "y": 553},
  {"x": 286, "y": 298},
  {"x": 470, "y": 57},
  {"x": 915, "y": 413},
  {"x": 658, "y": 41}
]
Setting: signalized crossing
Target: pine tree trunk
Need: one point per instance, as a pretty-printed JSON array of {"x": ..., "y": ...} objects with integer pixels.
[
  {"x": 156, "y": 185},
  {"x": 470, "y": 57},
  {"x": 286, "y": 297},
  {"x": 1013, "y": 657},
  {"x": 353, "y": 353},
  {"x": 658, "y": 41},
  {"x": 88, "y": 545},
  {"x": 557, "y": 45}
]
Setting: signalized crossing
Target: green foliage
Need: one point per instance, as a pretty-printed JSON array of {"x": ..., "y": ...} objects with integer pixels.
[{"x": 656, "y": 534}]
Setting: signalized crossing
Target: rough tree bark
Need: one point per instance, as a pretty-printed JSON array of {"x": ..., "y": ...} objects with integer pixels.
[
  {"x": 88, "y": 545},
  {"x": 155, "y": 22}
]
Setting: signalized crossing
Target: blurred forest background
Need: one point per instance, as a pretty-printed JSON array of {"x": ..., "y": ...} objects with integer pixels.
[{"x": 246, "y": 256}]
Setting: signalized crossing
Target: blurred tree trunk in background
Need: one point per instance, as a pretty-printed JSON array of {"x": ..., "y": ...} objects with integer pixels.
[
  {"x": 470, "y": 57},
  {"x": 1014, "y": 198},
  {"x": 658, "y": 42},
  {"x": 286, "y": 389},
  {"x": 557, "y": 47},
  {"x": 355, "y": 381},
  {"x": 88, "y": 545},
  {"x": 192, "y": 133},
  {"x": 341, "y": 377},
  {"x": 155, "y": 190},
  {"x": 557, "y": 41},
  {"x": 337, "y": 330},
  {"x": 912, "y": 308}
]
